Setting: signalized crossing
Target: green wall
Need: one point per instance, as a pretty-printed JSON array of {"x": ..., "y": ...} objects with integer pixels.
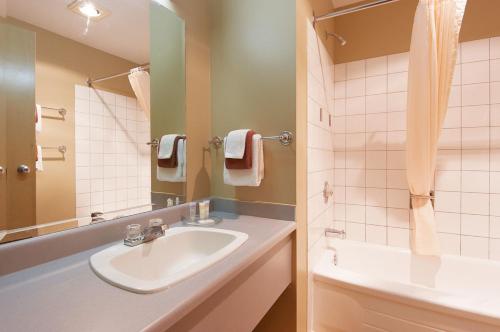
[
  {"x": 168, "y": 83},
  {"x": 253, "y": 86}
]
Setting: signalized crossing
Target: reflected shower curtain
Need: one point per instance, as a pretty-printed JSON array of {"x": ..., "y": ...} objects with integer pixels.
[
  {"x": 140, "y": 82},
  {"x": 433, "y": 52}
]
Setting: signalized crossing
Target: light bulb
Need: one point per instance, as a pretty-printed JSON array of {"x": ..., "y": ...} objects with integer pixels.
[{"x": 88, "y": 9}]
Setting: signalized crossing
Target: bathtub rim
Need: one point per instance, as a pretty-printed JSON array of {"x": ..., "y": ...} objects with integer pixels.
[{"x": 441, "y": 302}]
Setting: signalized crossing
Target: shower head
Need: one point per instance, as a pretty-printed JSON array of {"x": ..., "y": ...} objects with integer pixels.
[{"x": 341, "y": 40}]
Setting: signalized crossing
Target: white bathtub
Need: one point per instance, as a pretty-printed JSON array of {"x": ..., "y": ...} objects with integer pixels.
[{"x": 378, "y": 288}]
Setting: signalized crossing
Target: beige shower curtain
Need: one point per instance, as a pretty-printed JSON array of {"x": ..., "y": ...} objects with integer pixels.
[
  {"x": 140, "y": 82},
  {"x": 433, "y": 53}
]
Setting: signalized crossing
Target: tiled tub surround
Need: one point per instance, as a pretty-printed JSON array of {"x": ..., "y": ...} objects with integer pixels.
[
  {"x": 113, "y": 162},
  {"x": 371, "y": 193},
  {"x": 320, "y": 147},
  {"x": 320, "y": 136}
]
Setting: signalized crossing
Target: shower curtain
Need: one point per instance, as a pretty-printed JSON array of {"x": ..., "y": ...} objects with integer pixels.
[
  {"x": 433, "y": 52},
  {"x": 140, "y": 82}
]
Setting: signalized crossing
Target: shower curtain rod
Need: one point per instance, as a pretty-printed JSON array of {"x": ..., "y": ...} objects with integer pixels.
[
  {"x": 91, "y": 81},
  {"x": 346, "y": 11}
]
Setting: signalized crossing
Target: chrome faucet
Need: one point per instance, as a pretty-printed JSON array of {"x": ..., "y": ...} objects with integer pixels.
[
  {"x": 332, "y": 232},
  {"x": 136, "y": 236}
]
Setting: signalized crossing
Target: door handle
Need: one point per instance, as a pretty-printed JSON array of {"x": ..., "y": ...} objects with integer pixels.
[
  {"x": 23, "y": 169},
  {"x": 2, "y": 170}
]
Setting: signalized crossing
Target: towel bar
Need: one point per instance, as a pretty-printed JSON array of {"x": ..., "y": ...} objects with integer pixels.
[
  {"x": 60, "y": 148},
  {"x": 154, "y": 143},
  {"x": 62, "y": 112},
  {"x": 285, "y": 138}
]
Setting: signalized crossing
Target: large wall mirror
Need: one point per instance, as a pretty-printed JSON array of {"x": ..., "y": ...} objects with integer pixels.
[{"x": 92, "y": 113}]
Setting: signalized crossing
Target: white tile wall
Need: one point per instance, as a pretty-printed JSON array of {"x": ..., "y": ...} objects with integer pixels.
[
  {"x": 113, "y": 163},
  {"x": 321, "y": 94},
  {"x": 371, "y": 194}
]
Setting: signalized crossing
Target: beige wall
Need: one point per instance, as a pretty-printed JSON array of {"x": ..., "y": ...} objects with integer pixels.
[
  {"x": 60, "y": 64},
  {"x": 195, "y": 13},
  {"x": 303, "y": 15},
  {"x": 387, "y": 29},
  {"x": 253, "y": 86}
]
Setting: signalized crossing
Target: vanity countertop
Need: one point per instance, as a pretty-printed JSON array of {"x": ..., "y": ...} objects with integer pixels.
[{"x": 66, "y": 295}]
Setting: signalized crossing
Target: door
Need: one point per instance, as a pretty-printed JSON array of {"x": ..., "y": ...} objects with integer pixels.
[{"x": 17, "y": 125}]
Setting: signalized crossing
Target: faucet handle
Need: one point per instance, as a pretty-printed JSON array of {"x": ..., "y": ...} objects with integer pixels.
[
  {"x": 134, "y": 233},
  {"x": 157, "y": 222}
]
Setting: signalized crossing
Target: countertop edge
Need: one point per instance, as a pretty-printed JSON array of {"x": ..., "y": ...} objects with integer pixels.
[{"x": 183, "y": 308}]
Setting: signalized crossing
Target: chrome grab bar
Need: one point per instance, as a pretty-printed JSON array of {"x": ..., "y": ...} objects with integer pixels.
[{"x": 332, "y": 232}]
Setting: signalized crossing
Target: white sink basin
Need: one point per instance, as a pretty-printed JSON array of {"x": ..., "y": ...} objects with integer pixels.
[{"x": 154, "y": 266}]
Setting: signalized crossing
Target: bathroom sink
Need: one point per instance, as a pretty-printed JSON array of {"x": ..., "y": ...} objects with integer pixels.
[{"x": 154, "y": 266}]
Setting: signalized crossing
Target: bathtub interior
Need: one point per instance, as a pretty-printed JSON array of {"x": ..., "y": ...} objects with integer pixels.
[{"x": 448, "y": 274}]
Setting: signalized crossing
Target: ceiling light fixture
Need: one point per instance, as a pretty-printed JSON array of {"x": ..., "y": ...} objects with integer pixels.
[{"x": 88, "y": 9}]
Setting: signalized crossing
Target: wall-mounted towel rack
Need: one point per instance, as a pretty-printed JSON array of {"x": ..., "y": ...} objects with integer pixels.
[
  {"x": 62, "y": 112},
  {"x": 285, "y": 138},
  {"x": 61, "y": 148},
  {"x": 154, "y": 143}
]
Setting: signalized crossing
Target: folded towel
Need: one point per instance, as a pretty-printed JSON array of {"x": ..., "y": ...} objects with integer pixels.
[
  {"x": 248, "y": 177},
  {"x": 166, "y": 146},
  {"x": 173, "y": 161},
  {"x": 177, "y": 174},
  {"x": 39, "y": 159},
  {"x": 38, "y": 118},
  {"x": 235, "y": 144},
  {"x": 246, "y": 161}
]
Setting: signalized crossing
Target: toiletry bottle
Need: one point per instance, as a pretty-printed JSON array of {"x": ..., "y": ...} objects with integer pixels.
[
  {"x": 192, "y": 211},
  {"x": 203, "y": 210},
  {"x": 207, "y": 204}
]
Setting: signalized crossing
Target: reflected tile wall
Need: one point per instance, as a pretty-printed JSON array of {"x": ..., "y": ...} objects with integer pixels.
[{"x": 113, "y": 162}]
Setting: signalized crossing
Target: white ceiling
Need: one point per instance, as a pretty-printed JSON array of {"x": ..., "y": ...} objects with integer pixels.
[
  {"x": 342, "y": 3},
  {"x": 124, "y": 33}
]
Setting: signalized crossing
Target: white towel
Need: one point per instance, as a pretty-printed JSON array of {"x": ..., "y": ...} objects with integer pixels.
[
  {"x": 177, "y": 174},
  {"x": 248, "y": 177},
  {"x": 234, "y": 147},
  {"x": 38, "y": 123},
  {"x": 39, "y": 159},
  {"x": 166, "y": 146}
]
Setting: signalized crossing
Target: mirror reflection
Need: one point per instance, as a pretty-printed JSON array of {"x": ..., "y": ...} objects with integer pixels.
[{"x": 92, "y": 113}]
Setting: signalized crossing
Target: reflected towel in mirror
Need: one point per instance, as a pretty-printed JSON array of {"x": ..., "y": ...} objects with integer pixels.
[
  {"x": 173, "y": 161},
  {"x": 38, "y": 118},
  {"x": 166, "y": 147},
  {"x": 177, "y": 174},
  {"x": 39, "y": 159}
]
